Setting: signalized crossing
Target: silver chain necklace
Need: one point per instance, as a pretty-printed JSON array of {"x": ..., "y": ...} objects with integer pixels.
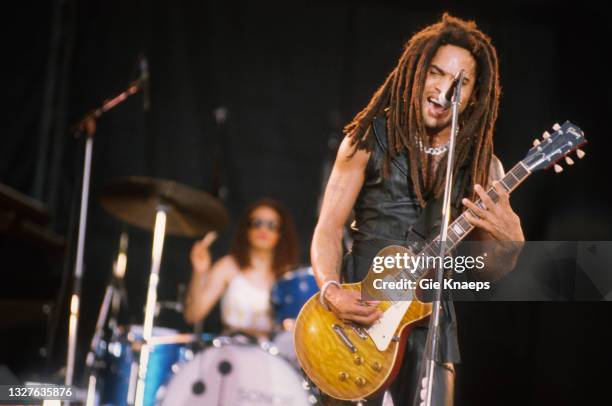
[{"x": 434, "y": 150}]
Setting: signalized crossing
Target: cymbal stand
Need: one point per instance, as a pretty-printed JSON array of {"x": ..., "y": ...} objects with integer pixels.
[
  {"x": 159, "y": 234},
  {"x": 113, "y": 296}
]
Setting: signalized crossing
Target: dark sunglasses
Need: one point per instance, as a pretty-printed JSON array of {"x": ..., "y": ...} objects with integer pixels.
[{"x": 269, "y": 224}]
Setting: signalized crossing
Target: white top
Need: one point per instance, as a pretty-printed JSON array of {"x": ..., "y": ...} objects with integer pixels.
[{"x": 245, "y": 306}]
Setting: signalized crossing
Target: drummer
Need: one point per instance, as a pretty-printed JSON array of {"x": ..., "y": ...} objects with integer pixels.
[{"x": 264, "y": 248}]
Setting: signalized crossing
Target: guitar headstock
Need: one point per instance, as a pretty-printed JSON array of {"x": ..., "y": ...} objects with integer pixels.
[{"x": 555, "y": 146}]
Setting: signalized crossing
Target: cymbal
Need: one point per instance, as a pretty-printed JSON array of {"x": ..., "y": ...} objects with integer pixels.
[{"x": 190, "y": 212}]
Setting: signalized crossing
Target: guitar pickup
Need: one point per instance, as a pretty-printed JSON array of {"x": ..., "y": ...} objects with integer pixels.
[
  {"x": 359, "y": 331},
  {"x": 342, "y": 335}
]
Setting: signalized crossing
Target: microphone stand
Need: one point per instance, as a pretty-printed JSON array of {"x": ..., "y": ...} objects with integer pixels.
[
  {"x": 433, "y": 335},
  {"x": 88, "y": 125}
]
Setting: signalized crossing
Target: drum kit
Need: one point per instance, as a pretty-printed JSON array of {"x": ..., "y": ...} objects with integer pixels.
[{"x": 152, "y": 365}]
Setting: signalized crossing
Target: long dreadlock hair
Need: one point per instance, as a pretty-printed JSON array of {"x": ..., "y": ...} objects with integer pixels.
[{"x": 399, "y": 98}]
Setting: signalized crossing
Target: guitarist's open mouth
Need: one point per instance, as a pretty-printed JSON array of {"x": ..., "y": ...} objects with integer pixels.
[{"x": 435, "y": 109}]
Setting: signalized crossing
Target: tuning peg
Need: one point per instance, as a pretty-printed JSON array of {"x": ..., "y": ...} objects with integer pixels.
[
  {"x": 536, "y": 142},
  {"x": 423, "y": 395},
  {"x": 556, "y": 127},
  {"x": 569, "y": 160},
  {"x": 580, "y": 153},
  {"x": 546, "y": 135},
  {"x": 558, "y": 168}
]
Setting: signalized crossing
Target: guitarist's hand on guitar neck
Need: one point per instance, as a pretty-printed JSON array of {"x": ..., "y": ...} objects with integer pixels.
[
  {"x": 496, "y": 218},
  {"x": 347, "y": 305}
]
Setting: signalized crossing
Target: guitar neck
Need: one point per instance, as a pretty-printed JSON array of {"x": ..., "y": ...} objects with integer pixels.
[{"x": 460, "y": 228}]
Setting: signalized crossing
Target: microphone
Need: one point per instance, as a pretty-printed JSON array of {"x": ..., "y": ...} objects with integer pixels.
[
  {"x": 144, "y": 82},
  {"x": 445, "y": 98}
]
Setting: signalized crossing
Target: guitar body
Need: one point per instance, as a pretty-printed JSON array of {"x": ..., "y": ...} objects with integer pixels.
[
  {"x": 333, "y": 367},
  {"x": 342, "y": 360}
]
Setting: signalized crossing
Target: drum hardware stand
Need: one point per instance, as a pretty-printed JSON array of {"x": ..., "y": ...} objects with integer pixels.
[
  {"x": 175, "y": 305},
  {"x": 158, "y": 245},
  {"x": 87, "y": 124},
  {"x": 114, "y": 295},
  {"x": 166, "y": 207},
  {"x": 157, "y": 204},
  {"x": 429, "y": 356}
]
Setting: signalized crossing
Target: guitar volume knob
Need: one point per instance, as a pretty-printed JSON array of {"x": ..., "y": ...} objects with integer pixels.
[
  {"x": 343, "y": 376},
  {"x": 358, "y": 360},
  {"x": 360, "y": 381},
  {"x": 376, "y": 366}
]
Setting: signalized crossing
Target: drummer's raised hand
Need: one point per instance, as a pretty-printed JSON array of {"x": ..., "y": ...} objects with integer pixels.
[{"x": 200, "y": 253}]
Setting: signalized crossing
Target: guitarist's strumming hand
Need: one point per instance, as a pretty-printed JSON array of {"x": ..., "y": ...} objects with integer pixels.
[{"x": 347, "y": 305}]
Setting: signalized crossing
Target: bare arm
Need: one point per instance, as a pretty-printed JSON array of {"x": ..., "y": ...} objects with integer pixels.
[
  {"x": 498, "y": 223},
  {"x": 345, "y": 182},
  {"x": 206, "y": 285}
]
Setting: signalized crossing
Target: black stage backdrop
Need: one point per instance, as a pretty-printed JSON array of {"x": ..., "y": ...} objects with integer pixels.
[{"x": 289, "y": 75}]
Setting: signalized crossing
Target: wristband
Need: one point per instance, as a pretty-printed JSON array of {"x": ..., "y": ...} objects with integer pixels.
[{"x": 324, "y": 289}]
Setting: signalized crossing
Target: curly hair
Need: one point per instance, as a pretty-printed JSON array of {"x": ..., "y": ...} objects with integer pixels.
[
  {"x": 399, "y": 98},
  {"x": 286, "y": 252}
]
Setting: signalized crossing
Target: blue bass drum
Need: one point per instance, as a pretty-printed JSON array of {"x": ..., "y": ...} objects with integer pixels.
[{"x": 291, "y": 291}]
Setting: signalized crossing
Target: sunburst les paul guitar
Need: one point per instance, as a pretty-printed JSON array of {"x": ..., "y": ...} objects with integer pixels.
[{"x": 352, "y": 362}]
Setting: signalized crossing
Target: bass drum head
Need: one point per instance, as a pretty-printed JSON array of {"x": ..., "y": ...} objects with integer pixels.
[
  {"x": 285, "y": 344},
  {"x": 236, "y": 375}
]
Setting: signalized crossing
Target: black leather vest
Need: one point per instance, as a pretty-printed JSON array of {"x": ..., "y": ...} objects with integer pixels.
[{"x": 387, "y": 207}]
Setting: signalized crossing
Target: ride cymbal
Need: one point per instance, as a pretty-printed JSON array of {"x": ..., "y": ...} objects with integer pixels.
[{"x": 190, "y": 212}]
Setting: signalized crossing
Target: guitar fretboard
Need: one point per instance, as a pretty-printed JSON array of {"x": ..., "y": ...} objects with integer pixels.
[{"x": 460, "y": 228}]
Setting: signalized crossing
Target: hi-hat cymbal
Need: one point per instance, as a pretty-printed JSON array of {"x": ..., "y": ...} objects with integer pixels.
[{"x": 190, "y": 212}]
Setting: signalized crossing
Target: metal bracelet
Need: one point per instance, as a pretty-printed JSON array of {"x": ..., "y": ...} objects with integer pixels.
[{"x": 324, "y": 289}]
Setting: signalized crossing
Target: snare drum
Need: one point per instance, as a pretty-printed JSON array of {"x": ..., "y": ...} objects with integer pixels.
[
  {"x": 121, "y": 373},
  {"x": 232, "y": 373},
  {"x": 291, "y": 291}
]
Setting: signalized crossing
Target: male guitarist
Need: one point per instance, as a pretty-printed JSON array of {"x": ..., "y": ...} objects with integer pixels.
[{"x": 390, "y": 168}]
